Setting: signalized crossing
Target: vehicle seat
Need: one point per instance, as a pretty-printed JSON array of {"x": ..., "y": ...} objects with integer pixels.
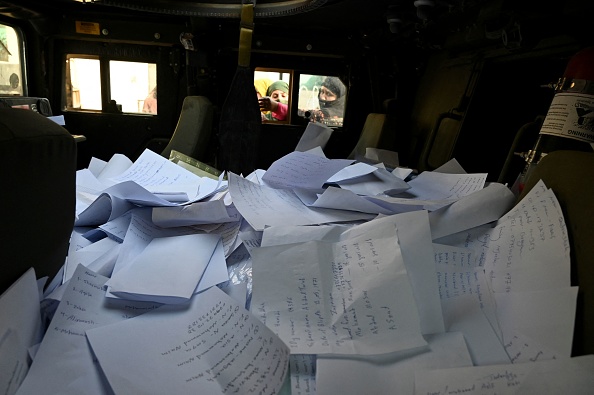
[
  {"x": 569, "y": 174},
  {"x": 371, "y": 135},
  {"x": 194, "y": 129},
  {"x": 381, "y": 130},
  {"x": 38, "y": 172}
]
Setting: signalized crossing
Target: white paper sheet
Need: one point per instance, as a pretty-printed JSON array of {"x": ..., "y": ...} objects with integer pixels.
[
  {"x": 351, "y": 172},
  {"x": 343, "y": 199},
  {"x": 86, "y": 255},
  {"x": 415, "y": 244},
  {"x": 379, "y": 182},
  {"x": 433, "y": 185},
  {"x": 168, "y": 270},
  {"x": 104, "y": 171},
  {"x": 547, "y": 317},
  {"x": 479, "y": 208},
  {"x": 20, "y": 328},
  {"x": 458, "y": 275},
  {"x": 349, "y": 297},
  {"x": 303, "y": 170},
  {"x": 211, "y": 346},
  {"x": 14, "y": 361},
  {"x": 531, "y": 250},
  {"x": 193, "y": 214},
  {"x": 402, "y": 172},
  {"x": 315, "y": 135},
  {"x": 389, "y": 374},
  {"x": 464, "y": 314},
  {"x": 151, "y": 169},
  {"x": 64, "y": 363},
  {"x": 303, "y": 374},
  {"x": 262, "y": 206},
  {"x": 563, "y": 376}
]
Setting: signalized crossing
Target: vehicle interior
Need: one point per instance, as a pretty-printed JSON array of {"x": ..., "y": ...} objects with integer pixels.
[
  {"x": 233, "y": 85},
  {"x": 451, "y": 77}
]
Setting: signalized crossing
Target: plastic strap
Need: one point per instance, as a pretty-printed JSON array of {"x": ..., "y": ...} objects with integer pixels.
[{"x": 245, "y": 34}]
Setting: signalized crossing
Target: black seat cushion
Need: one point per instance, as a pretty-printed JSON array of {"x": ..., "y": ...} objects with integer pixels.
[{"x": 37, "y": 203}]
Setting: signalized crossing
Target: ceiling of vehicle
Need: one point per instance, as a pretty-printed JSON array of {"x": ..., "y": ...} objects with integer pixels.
[{"x": 423, "y": 23}]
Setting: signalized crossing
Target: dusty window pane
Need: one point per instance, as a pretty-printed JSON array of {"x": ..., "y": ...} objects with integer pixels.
[
  {"x": 273, "y": 89},
  {"x": 11, "y": 70},
  {"x": 133, "y": 86},
  {"x": 84, "y": 84},
  {"x": 322, "y": 99}
]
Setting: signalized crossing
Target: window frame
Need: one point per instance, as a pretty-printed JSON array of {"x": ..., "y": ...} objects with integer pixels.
[
  {"x": 23, "y": 81},
  {"x": 291, "y": 73},
  {"x": 323, "y": 74},
  {"x": 105, "y": 83}
]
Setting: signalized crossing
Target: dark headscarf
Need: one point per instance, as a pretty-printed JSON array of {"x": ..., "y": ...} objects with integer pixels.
[{"x": 334, "y": 108}]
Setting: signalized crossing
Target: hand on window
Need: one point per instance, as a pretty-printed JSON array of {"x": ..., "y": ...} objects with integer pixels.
[{"x": 268, "y": 105}]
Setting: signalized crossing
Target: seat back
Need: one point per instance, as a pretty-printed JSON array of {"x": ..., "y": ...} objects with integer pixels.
[
  {"x": 194, "y": 129},
  {"x": 569, "y": 174},
  {"x": 38, "y": 199},
  {"x": 371, "y": 135}
]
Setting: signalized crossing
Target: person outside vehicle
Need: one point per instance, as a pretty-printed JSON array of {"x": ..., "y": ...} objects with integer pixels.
[
  {"x": 276, "y": 101},
  {"x": 261, "y": 85},
  {"x": 331, "y": 98},
  {"x": 150, "y": 103}
]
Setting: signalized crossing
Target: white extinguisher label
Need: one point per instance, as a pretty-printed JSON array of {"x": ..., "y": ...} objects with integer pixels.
[{"x": 571, "y": 115}]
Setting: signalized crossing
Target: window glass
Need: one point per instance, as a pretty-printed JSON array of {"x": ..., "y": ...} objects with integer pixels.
[
  {"x": 133, "y": 85},
  {"x": 11, "y": 69},
  {"x": 84, "y": 83},
  {"x": 273, "y": 89},
  {"x": 322, "y": 99}
]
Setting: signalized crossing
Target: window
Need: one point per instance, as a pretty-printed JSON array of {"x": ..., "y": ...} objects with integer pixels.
[
  {"x": 274, "y": 87},
  {"x": 132, "y": 85},
  {"x": 322, "y": 99},
  {"x": 85, "y": 83},
  {"x": 11, "y": 67}
]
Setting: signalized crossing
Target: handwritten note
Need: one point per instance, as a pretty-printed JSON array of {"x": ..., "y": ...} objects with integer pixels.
[
  {"x": 434, "y": 185},
  {"x": 20, "y": 328},
  {"x": 454, "y": 257},
  {"x": 348, "y": 297},
  {"x": 562, "y": 376},
  {"x": 13, "y": 362},
  {"x": 303, "y": 170},
  {"x": 303, "y": 374},
  {"x": 458, "y": 276},
  {"x": 83, "y": 306},
  {"x": 153, "y": 169},
  {"x": 521, "y": 348},
  {"x": 391, "y": 373},
  {"x": 527, "y": 250},
  {"x": 530, "y": 251},
  {"x": 488, "y": 380},
  {"x": 211, "y": 346},
  {"x": 263, "y": 206}
]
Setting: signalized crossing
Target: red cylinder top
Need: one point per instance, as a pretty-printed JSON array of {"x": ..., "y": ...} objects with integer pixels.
[{"x": 581, "y": 65}]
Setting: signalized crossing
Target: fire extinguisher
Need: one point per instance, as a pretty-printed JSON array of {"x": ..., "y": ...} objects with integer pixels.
[{"x": 569, "y": 123}]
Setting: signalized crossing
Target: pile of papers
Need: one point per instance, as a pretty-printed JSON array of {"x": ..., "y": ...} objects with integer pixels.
[{"x": 315, "y": 276}]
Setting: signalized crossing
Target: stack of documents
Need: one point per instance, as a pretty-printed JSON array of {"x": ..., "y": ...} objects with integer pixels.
[{"x": 315, "y": 276}]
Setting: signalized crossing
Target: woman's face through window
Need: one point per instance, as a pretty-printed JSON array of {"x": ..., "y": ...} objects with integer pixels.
[
  {"x": 278, "y": 95},
  {"x": 326, "y": 94}
]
